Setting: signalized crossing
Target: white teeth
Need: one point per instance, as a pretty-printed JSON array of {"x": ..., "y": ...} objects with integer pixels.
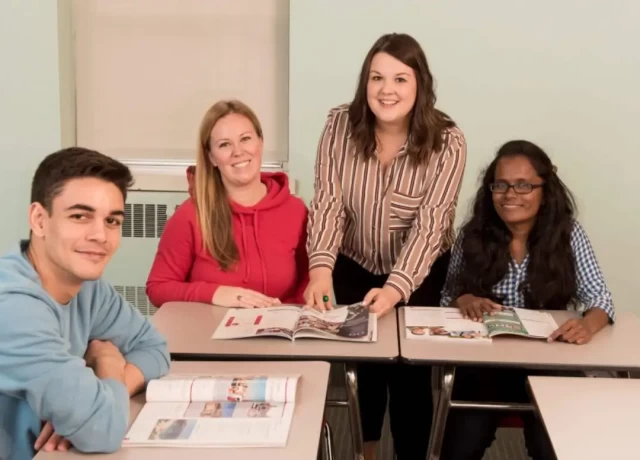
[
  {"x": 242, "y": 165},
  {"x": 388, "y": 102}
]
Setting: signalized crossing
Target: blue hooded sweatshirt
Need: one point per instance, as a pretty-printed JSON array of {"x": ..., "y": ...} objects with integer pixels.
[{"x": 43, "y": 376}]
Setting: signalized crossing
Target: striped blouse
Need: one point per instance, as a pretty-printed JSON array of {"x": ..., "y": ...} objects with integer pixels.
[{"x": 396, "y": 220}]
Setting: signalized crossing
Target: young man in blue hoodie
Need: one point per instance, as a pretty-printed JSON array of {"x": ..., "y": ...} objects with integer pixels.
[{"x": 72, "y": 351}]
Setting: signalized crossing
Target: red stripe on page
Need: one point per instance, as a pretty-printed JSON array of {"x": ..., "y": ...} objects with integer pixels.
[
  {"x": 229, "y": 321},
  {"x": 258, "y": 319},
  {"x": 286, "y": 387}
]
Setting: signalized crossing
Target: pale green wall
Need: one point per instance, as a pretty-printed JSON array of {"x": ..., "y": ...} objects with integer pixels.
[
  {"x": 560, "y": 73},
  {"x": 29, "y": 104}
]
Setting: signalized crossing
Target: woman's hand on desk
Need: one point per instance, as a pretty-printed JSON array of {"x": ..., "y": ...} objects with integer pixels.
[
  {"x": 49, "y": 441},
  {"x": 574, "y": 330},
  {"x": 319, "y": 290},
  {"x": 233, "y": 297},
  {"x": 382, "y": 301},
  {"x": 473, "y": 307},
  {"x": 581, "y": 330}
]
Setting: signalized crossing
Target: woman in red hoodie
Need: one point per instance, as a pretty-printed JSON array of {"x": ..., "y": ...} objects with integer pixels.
[{"x": 239, "y": 240}]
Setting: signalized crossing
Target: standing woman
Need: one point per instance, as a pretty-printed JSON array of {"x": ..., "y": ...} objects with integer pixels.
[{"x": 387, "y": 180}]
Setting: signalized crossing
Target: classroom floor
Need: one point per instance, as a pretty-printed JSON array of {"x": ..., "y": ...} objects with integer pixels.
[{"x": 509, "y": 443}]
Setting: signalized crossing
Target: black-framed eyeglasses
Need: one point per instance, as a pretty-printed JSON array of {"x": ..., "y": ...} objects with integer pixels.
[{"x": 521, "y": 188}]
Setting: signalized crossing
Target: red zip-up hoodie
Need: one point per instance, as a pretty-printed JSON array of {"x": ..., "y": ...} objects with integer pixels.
[{"x": 271, "y": 240}]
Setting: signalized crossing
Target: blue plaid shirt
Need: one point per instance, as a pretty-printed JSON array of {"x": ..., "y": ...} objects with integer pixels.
[{"x": 592, "y": 289}]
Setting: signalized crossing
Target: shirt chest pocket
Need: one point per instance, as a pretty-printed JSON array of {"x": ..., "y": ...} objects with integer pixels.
[{"x": 403, "y": 209}]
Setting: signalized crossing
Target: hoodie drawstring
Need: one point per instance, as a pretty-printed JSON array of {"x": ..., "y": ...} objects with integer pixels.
[
  {"x": 247, "y": 270},
  {"x": 264, "y": 269}
]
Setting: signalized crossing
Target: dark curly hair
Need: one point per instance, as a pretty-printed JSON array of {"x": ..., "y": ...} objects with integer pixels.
[{"x": 551, "y": 276}]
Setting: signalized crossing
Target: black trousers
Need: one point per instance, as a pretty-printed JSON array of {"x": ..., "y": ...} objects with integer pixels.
[
  {"x": 470, "y": 432},
  {"x": 408, "y": 387}
]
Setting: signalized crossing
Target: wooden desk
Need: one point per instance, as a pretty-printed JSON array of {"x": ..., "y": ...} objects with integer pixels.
[
  {"x": 589, "y": 417},
  {"x": 305, "y": 429},
  {"x": 613, "y": 349},
  {"x": 188, "y": 328}
]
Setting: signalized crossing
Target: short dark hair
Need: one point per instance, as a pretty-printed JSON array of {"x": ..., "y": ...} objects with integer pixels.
[{"x": 76, "y": 163}]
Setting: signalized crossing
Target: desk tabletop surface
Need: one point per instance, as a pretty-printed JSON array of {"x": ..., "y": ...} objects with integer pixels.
[
  {"x": 305, "y": 430},
  {"x": 188, "y": 328},
  {"x": 613, "y": 348},
  {"x": 589, "y": 417}
]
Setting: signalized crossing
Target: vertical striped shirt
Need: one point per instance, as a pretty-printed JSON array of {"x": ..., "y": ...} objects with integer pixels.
[{"x": 396, "y": 220}]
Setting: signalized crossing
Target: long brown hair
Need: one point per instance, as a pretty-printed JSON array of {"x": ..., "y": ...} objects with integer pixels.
[
  {"x": 212, "y": 204},
  {"x": 426, "y": 123}
]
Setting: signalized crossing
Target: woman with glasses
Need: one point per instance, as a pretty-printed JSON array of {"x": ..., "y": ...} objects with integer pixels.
[{"x": 521, "y": 247}]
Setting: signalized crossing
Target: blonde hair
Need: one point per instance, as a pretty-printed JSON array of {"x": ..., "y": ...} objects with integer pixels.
[{"x": 212, "y": 206}]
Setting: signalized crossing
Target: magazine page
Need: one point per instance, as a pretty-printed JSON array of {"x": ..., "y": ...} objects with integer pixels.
[
  {"x": 258, "y": 322},
  {"x": 424, "y": 323},
  {"x": 351, "y": 322},
  {"x": 520, "y": 321},
  {"x": 223, "y": 388},
  {"x": 211, "y": 424},
  {"x": 504, "y": 321},
  {"x": 538, "y": 324}
]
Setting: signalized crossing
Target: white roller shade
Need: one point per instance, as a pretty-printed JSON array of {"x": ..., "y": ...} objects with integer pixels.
[{"x": 147, "y": 70}]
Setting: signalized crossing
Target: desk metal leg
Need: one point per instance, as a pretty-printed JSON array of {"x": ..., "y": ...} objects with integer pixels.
[
  {"x": 442, "y": 385},
  {"x": 354, "y": 410},
  {"x": 327, "y": 442}
]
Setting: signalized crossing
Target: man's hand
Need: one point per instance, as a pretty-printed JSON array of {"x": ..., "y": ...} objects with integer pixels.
[
  {"x": 102, "y": 350},
  {"x": 573, "y": 331},
  {"x": 49, "y": 441},
  {"x": 133, "y": 379},
  {"x": 106, "y": 356},
  {"x": 106, "y": 360},
  {"x": 382, "y": 301}
]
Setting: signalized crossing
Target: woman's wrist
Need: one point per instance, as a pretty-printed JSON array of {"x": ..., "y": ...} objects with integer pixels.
[{"x": 320, "y": 272}]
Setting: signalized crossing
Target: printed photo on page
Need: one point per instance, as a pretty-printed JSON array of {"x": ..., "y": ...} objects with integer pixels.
[
  {"x": 353, "y": 323},
  {"x": 424, "y": 323},
  {"x": 252, "y": 322},
  {"x": 520, "y": 321},
  {"x": 216, "y": 411}
]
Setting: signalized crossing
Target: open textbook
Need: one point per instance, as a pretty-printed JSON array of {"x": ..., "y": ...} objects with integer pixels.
[
  {"x": 215, "y": 411},
  {"x": 446, "y": 322},
  {"x": 351, "y": 323}
]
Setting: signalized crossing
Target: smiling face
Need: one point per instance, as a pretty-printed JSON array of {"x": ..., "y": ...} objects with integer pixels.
[
  {"x": 515, "y": 208},
  {"x": 236, "y": 150},
  {"x": 82, "y": 231},
  {"x": 391, "y": 89}
]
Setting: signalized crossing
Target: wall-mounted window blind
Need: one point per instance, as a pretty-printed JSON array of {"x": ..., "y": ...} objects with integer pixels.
[{"x": 147, "y": 70}]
